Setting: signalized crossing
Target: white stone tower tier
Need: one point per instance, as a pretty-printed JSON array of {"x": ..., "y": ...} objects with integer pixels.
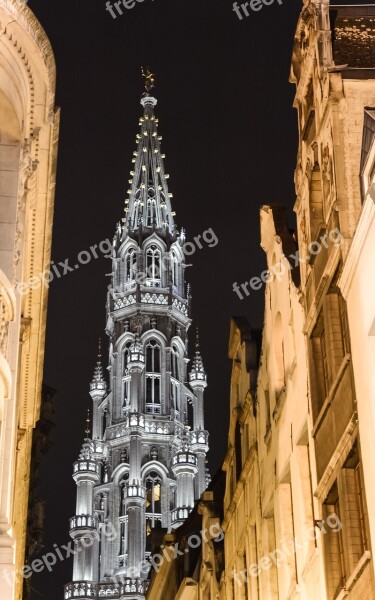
[{"x": 145, "y": 462}]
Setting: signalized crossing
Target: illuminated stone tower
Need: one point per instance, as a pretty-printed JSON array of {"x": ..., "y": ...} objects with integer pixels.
[{"x": 144, "y": 464}]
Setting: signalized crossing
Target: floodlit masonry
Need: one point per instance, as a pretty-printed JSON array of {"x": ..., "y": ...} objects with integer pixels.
[{"x": 143, "y": 466}]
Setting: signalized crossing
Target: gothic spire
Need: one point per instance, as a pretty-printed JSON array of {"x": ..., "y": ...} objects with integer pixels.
[
  {"x": 197, "y": 369},
  {"x": 98, "y": 381},
  {"x": 148, "y": 206}
]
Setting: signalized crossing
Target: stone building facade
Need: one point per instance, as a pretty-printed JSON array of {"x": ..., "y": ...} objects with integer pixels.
[
  {"x": 29, "y": 126},
  {"x": 143, "y": 466},
  {"x": 357, "y": 283},
  {"x": 333, "y": 71}
]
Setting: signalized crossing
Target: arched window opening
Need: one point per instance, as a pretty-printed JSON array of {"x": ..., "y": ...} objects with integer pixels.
[
  {"x": 173, "y": 498},
  {"x": 99, "y": 507},
  {"x": 174, "y": 268},
  {"x": 130, "y": 266},
  {"x": 126, "y": 380},
  {"x": 153, "y": 257},
  {"x": 122, "y": 485},
  {"x": 175, "y": 397},
  {"x": 190, "y": 412},
  {"x": 137, "y": 202},
  {"x": 153, "y": 377},
  {"x": 153, "y": 500},
  {"x": 123, "y": 519},
  {"x": 174, "y": 362},
  {"x": 151, "y": 208}
]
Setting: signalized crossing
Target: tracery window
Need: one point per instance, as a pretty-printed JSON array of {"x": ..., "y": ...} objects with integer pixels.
[
  {"x": 123, "y": 519},
  {"x": 153, "y": 500},
  {"x": 174, "y": 379},
  {"x": 151, "y": 208},
  {"x": 153, "y": 377},
  {"x": 126, "y": 380},
  {"x": 153, "y": 257},
  {"x": 174, "y": 268},
  {"x": 130, "y": 265},
  {"x": 174, "y": 362},
  {"x": 122, "y": 484}
]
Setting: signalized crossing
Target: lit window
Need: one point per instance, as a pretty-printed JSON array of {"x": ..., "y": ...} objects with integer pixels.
[
  {"x": 130, "y": 265},
  {"x": 153, "y": 266},
  {"x": 153, "y": 500},
  {"x": 153, "y": 377}
]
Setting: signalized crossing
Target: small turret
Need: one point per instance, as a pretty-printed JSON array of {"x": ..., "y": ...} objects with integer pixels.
[{"x": 197, "y": 375}]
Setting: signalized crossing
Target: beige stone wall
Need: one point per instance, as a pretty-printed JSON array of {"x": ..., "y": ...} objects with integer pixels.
[
  {"x": 330, "y": 101},
  {"x": 358, "y": 287},
  {"x": 29, "y": 127}
]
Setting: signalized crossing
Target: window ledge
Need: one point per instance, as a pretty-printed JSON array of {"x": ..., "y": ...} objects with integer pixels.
[
  {"x": 331, "y": 394},
  {"x": 350, "y": 582}
]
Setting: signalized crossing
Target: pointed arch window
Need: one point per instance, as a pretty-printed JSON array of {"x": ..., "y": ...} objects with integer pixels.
[
  {"x": 174, "y": 362},
  {"x": 136, "y": 207},
  {"x": 130, "y": 265},
  {"x": 153, "y": 257},
  {"x": 151, "y": 208},
  {"x": 174, "y": 269},
  {"x": 126, "y": 380},
  {"x": 153, "y": 500},
  {"x": 153, "y": 377},
  {"x": 123, "y": 519},
  {"x": 122, "y": 484},
  {"x": 175, "y": 397}
]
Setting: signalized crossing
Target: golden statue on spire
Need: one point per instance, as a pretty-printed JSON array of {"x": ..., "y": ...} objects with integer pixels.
[{"x": 149, "y": 79}]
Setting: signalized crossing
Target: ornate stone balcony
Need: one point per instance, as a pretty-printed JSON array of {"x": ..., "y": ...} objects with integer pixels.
[
  {"x": 179, "y": 515},
  {"x": 184, "y": 458},
  {"x": 127, "y": 587},
  {"x": 85, "y": 466},
  {"x": 184, "y": 461},
  {"x": 81, "y": 523},
  {"x": 135, "y": 490},
  {"x": 151, "y": 426},
  {"x": 199, "y": 438},
  {"x": 80, "y": 589},
  {"x": 197, "y": 376}
]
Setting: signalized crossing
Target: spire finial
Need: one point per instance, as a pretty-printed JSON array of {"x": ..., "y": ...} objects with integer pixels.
[
  {"x": 88, "y": 424},
  {"x": 197, "y": 338},
  {"x": 149, "y": 79},
  {"x": 99, "y": 350}
]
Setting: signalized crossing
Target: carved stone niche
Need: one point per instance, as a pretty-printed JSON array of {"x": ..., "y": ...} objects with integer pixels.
[{"x": 327, "y": 173}]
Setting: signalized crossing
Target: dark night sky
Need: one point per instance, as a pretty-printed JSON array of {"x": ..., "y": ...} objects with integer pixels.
[{"x": 230, "y": 139}]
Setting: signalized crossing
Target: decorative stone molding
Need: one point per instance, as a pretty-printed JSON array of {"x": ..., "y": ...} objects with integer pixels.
[
  {"x": 21, "y": 14},
  {"x": 7, "y": 310}
]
